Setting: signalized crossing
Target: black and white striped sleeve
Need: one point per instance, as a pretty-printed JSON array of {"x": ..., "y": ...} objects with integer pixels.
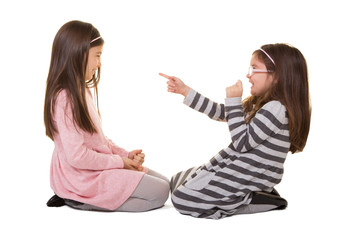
[
  {"x": 266, "y": 123},
  {"x": 204, "y": 105}
]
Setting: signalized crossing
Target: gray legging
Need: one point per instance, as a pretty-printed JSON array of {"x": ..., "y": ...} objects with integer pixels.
[{"x": 151, "y": 193}]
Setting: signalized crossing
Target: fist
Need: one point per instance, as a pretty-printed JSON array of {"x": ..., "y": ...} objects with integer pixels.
[{"x": 235, "y": 90}]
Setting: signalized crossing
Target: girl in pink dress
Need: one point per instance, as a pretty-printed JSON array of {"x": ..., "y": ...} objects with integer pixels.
[{"x": 88, "y": 171}]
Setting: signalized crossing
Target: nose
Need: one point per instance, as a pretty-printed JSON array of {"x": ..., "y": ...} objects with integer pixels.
[{"x": 248, "y": 76}]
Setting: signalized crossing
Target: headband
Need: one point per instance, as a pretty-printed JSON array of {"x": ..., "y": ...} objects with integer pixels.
[
  {"x": 267, "y": 55},
  {"x": 95, "y": 39}
]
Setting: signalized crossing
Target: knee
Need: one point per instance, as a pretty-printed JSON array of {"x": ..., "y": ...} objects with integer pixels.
[{"x": 162, "y": 193}]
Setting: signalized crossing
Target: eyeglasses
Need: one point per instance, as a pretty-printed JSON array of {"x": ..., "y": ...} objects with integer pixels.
[{"x": 251, "y": 71}]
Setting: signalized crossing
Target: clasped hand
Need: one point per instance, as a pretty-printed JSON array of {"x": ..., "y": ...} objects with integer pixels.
[{"x": 134, "y": 161}]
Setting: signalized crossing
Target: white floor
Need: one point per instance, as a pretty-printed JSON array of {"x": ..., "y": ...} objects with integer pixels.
[
  {"x": 316, "y": 215},
  {"x": 64, "y": 223}
]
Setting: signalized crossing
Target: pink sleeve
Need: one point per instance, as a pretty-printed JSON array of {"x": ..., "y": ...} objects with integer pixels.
[
  {"x": 72, "y": 140},
  {"x": 116, "y": 149}
]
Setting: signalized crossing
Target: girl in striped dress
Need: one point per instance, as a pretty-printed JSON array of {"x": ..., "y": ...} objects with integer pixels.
[{"x": 264, "y": 127}]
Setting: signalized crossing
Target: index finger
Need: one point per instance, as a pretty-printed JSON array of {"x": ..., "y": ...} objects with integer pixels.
[{"x": 166, "y": 76}]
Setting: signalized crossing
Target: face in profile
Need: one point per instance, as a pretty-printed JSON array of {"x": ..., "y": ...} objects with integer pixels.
[
  {"x": 260, "y": 81},
  {"x": 94, "y": 61}
]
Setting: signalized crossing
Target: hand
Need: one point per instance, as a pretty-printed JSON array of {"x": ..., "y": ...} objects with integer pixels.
[
  {"x": 175, "y": 85},
  {"x": 137, "y": 155},
  {"x": 132, "y": 164},
  {"x": 235, "y": 90}
]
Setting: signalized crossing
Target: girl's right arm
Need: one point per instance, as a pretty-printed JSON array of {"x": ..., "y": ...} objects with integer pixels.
[
  {"x": 195, "y": 100},
  {"x": 72, "y": 139}
]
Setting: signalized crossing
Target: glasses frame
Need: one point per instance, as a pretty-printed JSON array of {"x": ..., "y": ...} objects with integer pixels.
[{"x": 251, "y": 71}]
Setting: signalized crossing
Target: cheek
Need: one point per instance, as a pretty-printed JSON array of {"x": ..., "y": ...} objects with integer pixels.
[
  {"x": 261, "y": 85},
  {"x": 88, "y": 66},
  {"x": 269, "y": 82},
  {"x": 91, "y": 65}
]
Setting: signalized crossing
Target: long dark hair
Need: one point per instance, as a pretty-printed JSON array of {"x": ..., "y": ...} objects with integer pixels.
[
  {"x": 291, "y": 88},
  {"x": 67, "y": 71}
]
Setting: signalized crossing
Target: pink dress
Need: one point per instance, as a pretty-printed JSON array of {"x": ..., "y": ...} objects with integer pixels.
[{"x": 86, "y": 167}]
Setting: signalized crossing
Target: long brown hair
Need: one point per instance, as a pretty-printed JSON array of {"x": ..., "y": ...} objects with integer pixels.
[
  {"x": 291, "y": 88},
  {"x": 67, "y": 71}
]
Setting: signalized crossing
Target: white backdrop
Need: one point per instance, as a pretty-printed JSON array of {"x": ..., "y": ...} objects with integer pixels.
[{"x": 208, "y": 44}]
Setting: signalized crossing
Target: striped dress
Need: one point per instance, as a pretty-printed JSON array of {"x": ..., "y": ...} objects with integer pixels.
[{"x": 252, "y": 162}]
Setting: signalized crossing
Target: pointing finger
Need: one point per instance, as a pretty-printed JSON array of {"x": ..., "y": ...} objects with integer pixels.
[{"x": 165, "y": 76}]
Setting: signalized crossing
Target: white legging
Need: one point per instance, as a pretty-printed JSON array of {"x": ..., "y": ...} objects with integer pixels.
[{"x": 151, "y": 193}]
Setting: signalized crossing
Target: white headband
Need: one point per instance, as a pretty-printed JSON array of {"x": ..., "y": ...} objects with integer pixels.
[
  {"x": 267, "y": 55},
  {"x": 95, "y": 39}
]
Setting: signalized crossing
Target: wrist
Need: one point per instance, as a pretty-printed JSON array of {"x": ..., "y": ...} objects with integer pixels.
[
  {"x": 233, "y": 101},
  {"x": 186, "y": 91}
]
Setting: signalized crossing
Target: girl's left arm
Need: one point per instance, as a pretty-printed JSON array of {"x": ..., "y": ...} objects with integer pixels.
[
  {"x": 204, "y": 105},
  {"x": 116, "y": 149},
  {"x": 268, "y": 121}
]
